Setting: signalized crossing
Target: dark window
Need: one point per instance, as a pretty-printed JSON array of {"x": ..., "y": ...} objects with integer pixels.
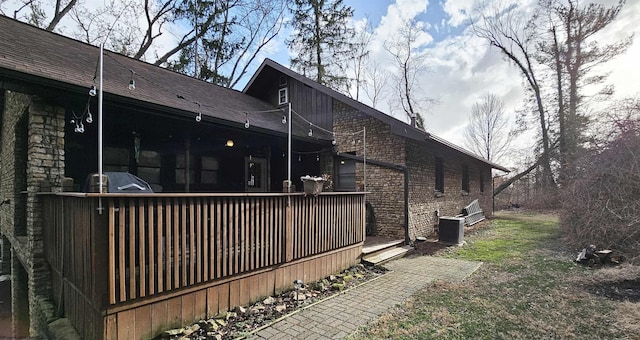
[
  {"x": 203, "y": 169},
  {"x": 465, "y": 178},
  {"x": 439, "y": 174},
  {"x": 346, "y": 175},
  {"x": 481, "y": 182},
  {"x": 282, "y": 81}
]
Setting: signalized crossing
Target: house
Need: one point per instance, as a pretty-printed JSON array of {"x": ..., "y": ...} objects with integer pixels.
[
  {"x": 411, "y": 176},
  {"x": 222, "y": 226}
]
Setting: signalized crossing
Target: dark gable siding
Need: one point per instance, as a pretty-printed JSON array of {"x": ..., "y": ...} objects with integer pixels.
[{"x": 312, "y": 104}]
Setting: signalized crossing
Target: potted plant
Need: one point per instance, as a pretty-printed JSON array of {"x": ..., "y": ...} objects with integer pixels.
[{"x": 312, "y": 185}]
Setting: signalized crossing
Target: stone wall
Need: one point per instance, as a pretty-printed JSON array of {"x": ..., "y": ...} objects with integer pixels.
[{"x": 29, "y": 123}]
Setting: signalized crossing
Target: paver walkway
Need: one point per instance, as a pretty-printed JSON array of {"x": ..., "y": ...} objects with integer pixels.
[{"x": 343, "y": 314}]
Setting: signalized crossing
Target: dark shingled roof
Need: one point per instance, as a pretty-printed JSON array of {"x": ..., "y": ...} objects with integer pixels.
[
  {"x": 398, "y": 127},
  {"x": 35, "y": 56}
]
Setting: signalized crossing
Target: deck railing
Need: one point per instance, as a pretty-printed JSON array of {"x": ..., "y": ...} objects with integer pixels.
[{"x": 144, "y": 246}]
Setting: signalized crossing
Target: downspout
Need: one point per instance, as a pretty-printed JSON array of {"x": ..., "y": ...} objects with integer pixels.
[{"x": 405, "y": 172}]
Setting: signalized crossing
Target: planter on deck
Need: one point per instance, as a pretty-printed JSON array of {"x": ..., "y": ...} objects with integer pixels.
[{"x": 312, "y": 185}]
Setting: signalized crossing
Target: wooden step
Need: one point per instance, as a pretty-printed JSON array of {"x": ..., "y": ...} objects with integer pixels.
[
  {"x": 385, "y": 255},
  {"x": 370, "y": 249}
]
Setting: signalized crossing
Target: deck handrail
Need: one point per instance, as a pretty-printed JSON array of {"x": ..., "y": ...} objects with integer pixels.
[{"x": 144, "y": 245}]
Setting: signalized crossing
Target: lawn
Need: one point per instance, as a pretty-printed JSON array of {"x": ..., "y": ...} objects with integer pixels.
[{"x": 527, "y": 288}]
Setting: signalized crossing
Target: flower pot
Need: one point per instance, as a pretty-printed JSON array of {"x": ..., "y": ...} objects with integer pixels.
[{"x": 312, "y": 185}]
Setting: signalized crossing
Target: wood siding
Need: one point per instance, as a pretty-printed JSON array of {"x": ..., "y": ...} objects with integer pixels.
[{"x": 311, "y": 104}]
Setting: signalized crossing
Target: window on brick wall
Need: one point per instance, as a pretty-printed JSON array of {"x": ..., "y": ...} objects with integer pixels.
[
  {"x": 439, "y": 174},
  {"x": 465, "y": 179}
]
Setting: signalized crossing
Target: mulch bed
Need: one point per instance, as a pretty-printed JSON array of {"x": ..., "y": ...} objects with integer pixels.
[{"x": 244, "y": 320}]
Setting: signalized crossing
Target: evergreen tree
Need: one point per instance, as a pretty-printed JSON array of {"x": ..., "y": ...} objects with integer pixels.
[{"x": 322, "y": 40}]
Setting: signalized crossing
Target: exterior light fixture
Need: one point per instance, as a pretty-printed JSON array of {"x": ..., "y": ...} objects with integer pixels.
[
  {"x": 229, "y": 143},
  {"x": 132, "y": 82},
  {"x": 199, "y": 117},
  {"x": 93, "y": 91},
  {"x": 284, "y": 119}
]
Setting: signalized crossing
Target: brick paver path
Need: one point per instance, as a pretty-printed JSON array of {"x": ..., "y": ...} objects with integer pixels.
[{"x": 343, "y": 314}]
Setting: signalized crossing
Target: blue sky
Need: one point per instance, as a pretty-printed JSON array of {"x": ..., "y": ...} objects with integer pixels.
[{"x": 462, "y": 67}]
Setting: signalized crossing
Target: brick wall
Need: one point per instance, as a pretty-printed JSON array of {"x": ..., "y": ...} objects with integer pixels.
[
  {"x": 387, "y": 185},
  {"x": 43, "y": 137},
  {"x": 424, "y": 201}
]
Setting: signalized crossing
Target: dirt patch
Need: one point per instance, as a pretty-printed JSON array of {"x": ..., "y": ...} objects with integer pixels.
[
  {"x": 625, "y": 290},
  {"x": 428, "y": 247}
]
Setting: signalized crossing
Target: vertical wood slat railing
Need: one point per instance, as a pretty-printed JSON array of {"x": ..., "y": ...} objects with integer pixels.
[
  {"x": 75, "y": 248},
  {"x": 164, "y": 242},
  {"x": 183, "y": 241}
]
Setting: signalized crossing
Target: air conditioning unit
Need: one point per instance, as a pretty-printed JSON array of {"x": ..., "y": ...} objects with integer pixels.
[{"x": 451, "y": 230}]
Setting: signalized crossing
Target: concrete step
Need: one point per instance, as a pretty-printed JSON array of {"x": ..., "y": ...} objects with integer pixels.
[{"x": 386, "y": 255}]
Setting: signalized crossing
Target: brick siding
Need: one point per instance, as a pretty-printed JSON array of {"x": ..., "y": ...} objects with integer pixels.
[{"x": 387, "y": 185}]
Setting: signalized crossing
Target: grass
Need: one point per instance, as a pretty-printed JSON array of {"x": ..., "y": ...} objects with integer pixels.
[{"x": 528, "y": 288}]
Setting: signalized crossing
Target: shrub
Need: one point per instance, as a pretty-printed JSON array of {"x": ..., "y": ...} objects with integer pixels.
[{"x": 601, "y": 206}]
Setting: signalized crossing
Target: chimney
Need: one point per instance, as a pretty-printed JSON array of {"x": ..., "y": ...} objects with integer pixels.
[{"x": 413, "y": 121}]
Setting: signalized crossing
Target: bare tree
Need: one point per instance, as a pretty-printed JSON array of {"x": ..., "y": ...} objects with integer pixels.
[
  {"x": 220, "y": 38},
  {"x": 573, "y": 54},
  {"x": 34, "y": 12},
  {"x": 487, "y": 133},
  {"x": 359, "y": 57},
  {"x": 376, "y": 81},
  {"x": 514, "y": 36},
  {"x": 556, "y": 42},
  {"x": 408, "y": 59}
]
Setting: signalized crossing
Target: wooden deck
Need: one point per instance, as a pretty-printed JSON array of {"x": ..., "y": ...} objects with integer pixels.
[{"x": 188, "y": 256}]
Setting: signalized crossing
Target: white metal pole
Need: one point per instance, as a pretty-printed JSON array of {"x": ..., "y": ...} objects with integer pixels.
[
  {"x": 100, "y": 182},
  {"x": 100, "y": 118},
  {"x": 289, "y": 151}
]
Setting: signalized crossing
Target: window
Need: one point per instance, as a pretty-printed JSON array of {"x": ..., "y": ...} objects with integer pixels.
[
  {"x": 149, "y": 164},
  {"x": 465, "y": 179},
  {"x": 181, "y": 169},
  {"x": 439, "y": 175},
  {"x": 209, "y": 170},
  {"x": 283, "y": 96},
  {"x": 115, "y": 159},
  {"x": 203, "y": 169}
]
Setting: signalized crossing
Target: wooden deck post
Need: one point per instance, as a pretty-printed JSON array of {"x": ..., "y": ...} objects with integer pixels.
[{"x": 289, "y": 232}]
